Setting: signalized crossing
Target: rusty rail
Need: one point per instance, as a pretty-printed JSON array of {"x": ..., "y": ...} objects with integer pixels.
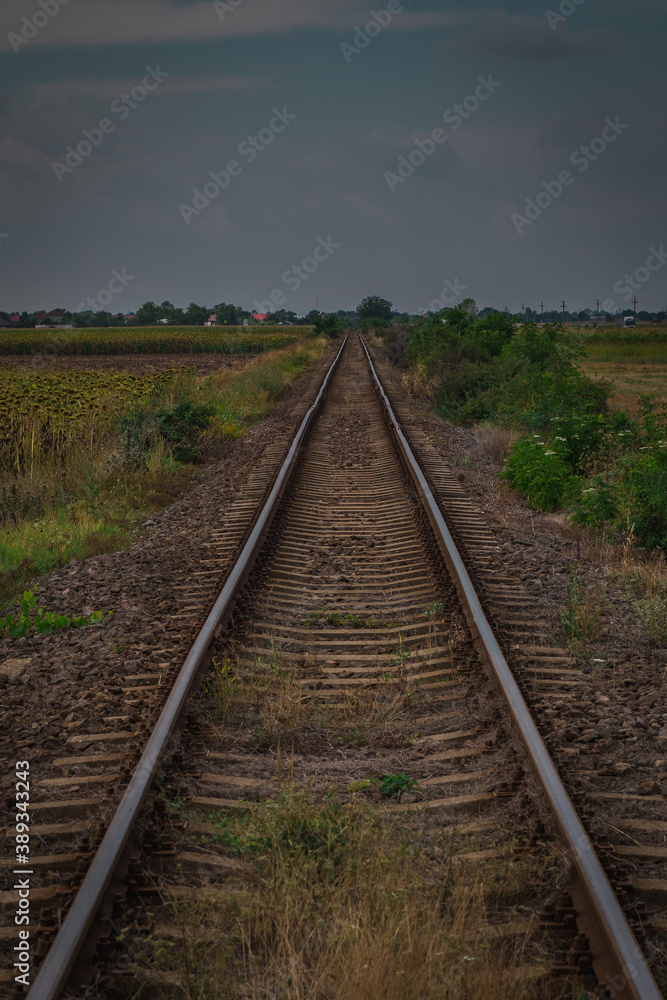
[{"x": 617, "y": 958}]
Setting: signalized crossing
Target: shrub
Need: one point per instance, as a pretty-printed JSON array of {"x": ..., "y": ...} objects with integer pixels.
[
  {"x": 595, "y": 505},
  {"x": 538, "y": 471},
  {"x": 183, "y": 426}
]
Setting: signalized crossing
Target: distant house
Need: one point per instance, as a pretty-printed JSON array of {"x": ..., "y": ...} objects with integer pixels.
[
  {"x": 212, "y": 320},
  {"x": 14, "y": 318},
  {"x": 128, "y": 317},
  {"x": 40, "y": 315},
  {"x": 260, "y": 317}
]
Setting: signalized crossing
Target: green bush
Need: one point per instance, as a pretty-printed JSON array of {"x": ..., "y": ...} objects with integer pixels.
[
  {"x": 538, "y": 471},
  {"x": 180, "y": 426}
]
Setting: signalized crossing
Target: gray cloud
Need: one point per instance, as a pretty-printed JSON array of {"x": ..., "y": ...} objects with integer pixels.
[
  {"x": 98, "y": 22},
  {"x": 521, "y": 35}
]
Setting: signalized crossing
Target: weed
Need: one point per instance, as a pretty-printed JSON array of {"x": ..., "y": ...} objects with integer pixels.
[
  {"x": 393, "y": 784},
  {"x": 401, "y": 654},
  {"x": 91, "y": 494},
  {"x": 43, "y": 623},
  {"x": 651, "y": 612},
  {"x": 580, "y": 621},
  {"x": 338, "y": 620}
]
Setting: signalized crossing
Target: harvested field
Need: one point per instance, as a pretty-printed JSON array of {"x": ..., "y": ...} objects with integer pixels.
[
  {"x": 131, "y": 364},
  {"x": 630, "y": 379}
]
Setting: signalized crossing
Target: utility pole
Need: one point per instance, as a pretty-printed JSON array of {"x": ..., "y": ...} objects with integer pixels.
[
  {"x": 563, "y": 307},
  {"x": 541, "y": 313},
  {"x": 634, "y": 307}
]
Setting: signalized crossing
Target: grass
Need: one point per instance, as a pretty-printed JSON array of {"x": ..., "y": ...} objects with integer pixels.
[
  {"x": 267, "y": 698},
  {"x": 91, "y": 493},
  {"x": 330, "y": 901},
  {"x": 630, "y": 380},
  {"x": 634, "y": 361}
]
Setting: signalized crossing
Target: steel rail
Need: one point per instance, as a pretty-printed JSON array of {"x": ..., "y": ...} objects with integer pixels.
[
  {"x": 631, "y": 978},
  {"x": 53, "y": 973}
]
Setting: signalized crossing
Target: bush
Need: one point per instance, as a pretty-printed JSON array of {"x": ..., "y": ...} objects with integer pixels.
[
  {"x": 181, "y": 427},
  {"x": 538, "y": 471}
]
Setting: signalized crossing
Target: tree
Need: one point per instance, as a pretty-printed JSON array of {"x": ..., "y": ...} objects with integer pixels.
[
  {"x": 329, "y": 325},
  {"x": 195, "y": 315},
  {"x": 373, "y": 307},
  {"x": 282, "y": 316},
  {"x": 229, "y": 315},
  {"x": 147, "y": 315}
]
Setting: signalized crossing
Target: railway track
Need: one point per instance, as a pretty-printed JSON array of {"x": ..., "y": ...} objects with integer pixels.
[{"x": 352, "y": 662}]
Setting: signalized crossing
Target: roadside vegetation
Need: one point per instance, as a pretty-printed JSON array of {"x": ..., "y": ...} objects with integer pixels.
[
  {"x": 86, "y": 457},
  {"x": 606, "y": 470}
]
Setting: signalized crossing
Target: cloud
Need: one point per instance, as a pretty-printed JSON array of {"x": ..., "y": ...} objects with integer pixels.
[
  {"x": 108, "y": 89},
  {"x": 99, "y": 22},
  {"x": 366, "y": 207},
  {"x": 13, "y": 151},
  {"x": 523, "y": 35}
]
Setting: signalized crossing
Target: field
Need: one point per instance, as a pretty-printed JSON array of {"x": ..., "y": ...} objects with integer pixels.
[
  {"x": 635, "y": 361},
  {"x": 87, "y": 455},
  {"x": 150, "y": 340}
]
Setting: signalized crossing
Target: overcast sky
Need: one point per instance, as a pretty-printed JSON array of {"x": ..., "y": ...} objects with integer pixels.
[{"x": 333, "y": 111}]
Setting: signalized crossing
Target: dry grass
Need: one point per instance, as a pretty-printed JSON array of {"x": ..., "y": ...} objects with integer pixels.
[
  {"x": 416, "y": 384},
  {"x": 269, "y": 699},
  {"x": 630, "y": 380},
  {"x": 331, "y": 902},
  {"x": 495, "y": 441}
]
